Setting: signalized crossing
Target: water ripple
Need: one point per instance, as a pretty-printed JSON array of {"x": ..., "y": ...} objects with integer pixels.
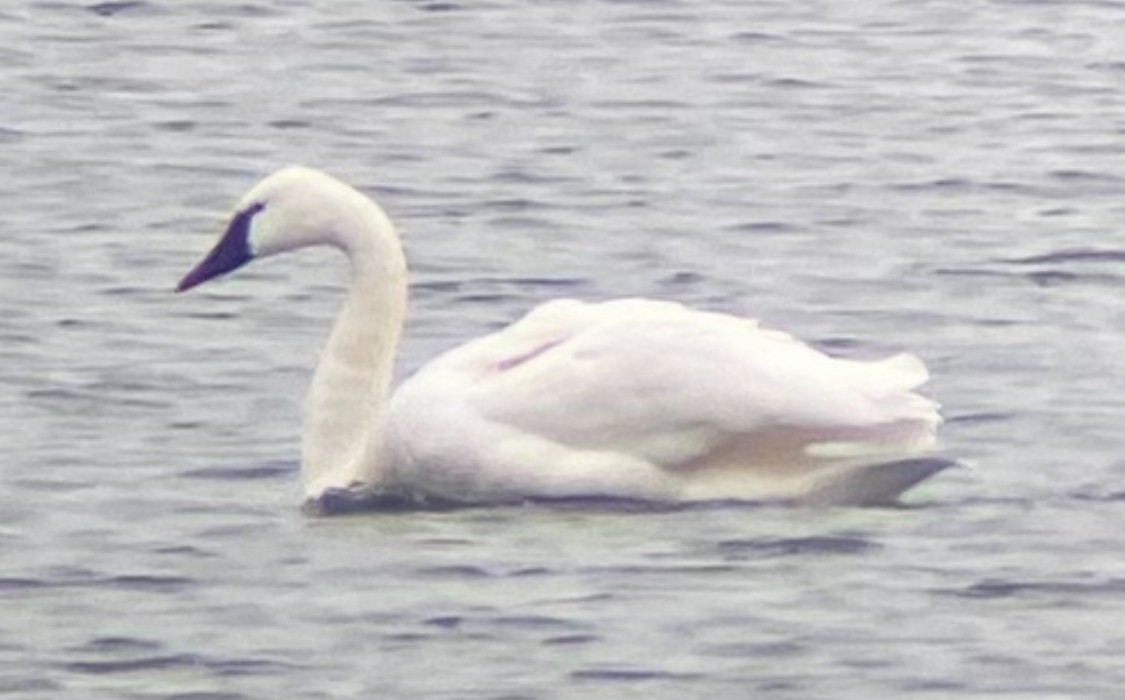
[
  {"x": 278, "y": 470},
  {"x": 80, "y": 579},
  {"x": 1067, "y": 589},
  {"x": 735, "y": 550},
  {"x": 631, "y": 675}
]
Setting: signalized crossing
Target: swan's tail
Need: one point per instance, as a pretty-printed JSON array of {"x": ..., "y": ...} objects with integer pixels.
[{"x": 871, "y": 484}]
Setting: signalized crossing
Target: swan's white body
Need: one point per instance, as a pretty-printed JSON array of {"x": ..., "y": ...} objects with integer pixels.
[{"x": 629, "y": 398}]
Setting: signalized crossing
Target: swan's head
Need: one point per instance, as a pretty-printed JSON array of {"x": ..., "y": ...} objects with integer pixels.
[{"x": 293, "y": 208}]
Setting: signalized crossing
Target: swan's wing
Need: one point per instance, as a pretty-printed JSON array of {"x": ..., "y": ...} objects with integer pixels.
[{"x": 695, "y": 397}]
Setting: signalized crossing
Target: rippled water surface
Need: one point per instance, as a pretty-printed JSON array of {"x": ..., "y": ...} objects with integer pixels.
[{"x": 941, "y": 177}]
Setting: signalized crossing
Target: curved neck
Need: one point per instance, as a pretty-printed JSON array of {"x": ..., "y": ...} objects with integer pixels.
[{"x": 346, "y": 404}]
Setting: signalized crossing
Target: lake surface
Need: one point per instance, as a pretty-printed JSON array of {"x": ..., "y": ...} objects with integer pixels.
[{"x": 946, "y": 178}]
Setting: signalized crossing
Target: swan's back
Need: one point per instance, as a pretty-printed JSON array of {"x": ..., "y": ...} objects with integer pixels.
[{"x": 651, "y": 399}]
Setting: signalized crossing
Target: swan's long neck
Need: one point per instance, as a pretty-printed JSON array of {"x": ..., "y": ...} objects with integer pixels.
[{"x": 346, "y": 406}]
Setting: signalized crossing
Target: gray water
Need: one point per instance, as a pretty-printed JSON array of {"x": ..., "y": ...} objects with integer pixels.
[{"x": 940, "y": 177}]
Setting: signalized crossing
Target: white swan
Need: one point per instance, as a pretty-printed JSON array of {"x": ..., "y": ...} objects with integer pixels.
[{"x": 629, "y": 398}]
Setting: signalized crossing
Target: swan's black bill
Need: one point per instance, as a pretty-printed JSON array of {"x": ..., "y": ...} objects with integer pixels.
[{"x": 230, "y": 253}]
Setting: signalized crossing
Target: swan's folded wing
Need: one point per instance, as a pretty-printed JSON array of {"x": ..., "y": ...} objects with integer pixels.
[
  {"x": 651, "y": 400},
  {"x": 686, "y": 390}
]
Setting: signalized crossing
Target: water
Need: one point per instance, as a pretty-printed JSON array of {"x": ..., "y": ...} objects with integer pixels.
[{"x": 940, "y": 177}]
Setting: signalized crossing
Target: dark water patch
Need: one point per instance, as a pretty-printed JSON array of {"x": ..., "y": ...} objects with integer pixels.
[
  {"x": 1002, "y": 588},
  {"x": 546, "y": 150},
  {"x": 1052, "y": 212},
  {"x": 754, "y": 650},
  {"x": 1095, "y": 495},
  {"x": 948, "y": 688},
  {"x": 1111, "y": 66},
  {"x": 462, "y": 571},
  {"x": 440, "y": 98},
  {"x": 11, "y": 338},
  {"x": 1068, "y": 175},
  {"x": 139, "y": 665},
  {"x": 336, "y": 502},
  {"x": 512, "y": 205},
  {"x": 489, "y": 298},
  {"x": 176, "y": 126},
  {"x": 18, "y": 584},
  {"x": 1040, "y": 278},
  {"x": 571, "y": 640},
  {"x": 582, "y": 600},
  {"x": 504, "y": 626},
  {"x": 83, "y": 578},
  {"x": 112, "y": 9},
  {"x": 762, "y": 227},
  {"x": 466, "y": 571},
  {"x": 210, "y": 315},
  {"x": 58, "y": 485},
  {"x": 1052, "y": 278},
  {"x": 104, "y": 645},
  {"x": 161, "y": 662},
  {"x": 532, "y": 571},
  {"x": 524, "y": 223},
  {"x": 246, "y": 667},
  {"x": 145, "y": 582},
  {"x": 439, "y": 286},
  {"x": 244, "y": 10},
  {"x": 682, "y": 278},
  {"x": 129, "y": 290},
  {"x": 347, "y": 501},
  {"x": 251, "y": 473},
  {"x": 185, "y": 424},
  {"x": 795, "y": 84},
  {"x": 407, "y": 638},
  {"x": 439, "y": 7},
  {"x": 609, "y": 504},
  {"x": 840, "y": 346},
  {"x": 631, "y": 675},
  {"x": 945, "y": 184},
  {"x": 546, "y": 282},
  {"x": 758, "y": 38},
  {"x": 445, "y": 622},
  {"x": 980, "y": 418},
  {"x": 288, "y": 124},
  {"x": 655, "y": 107},
  {"x": 1066, "y": 266},
  {"x": 448, "y": 542},
  {"x": 1070, "y": 255},
  {"x": 735, "y": 78},
  {"x": 185, "y": 550},
  {"x": 23, "y": 686},
  {"x": 795, "y": 546},
  {"x": 76, "y": 323},
  {"x": 121, "y": 655},
  {"x": 652, "y": 572},
  {"x": 86, "y": 402},
  {"x": 676, "y": 154},
  {"x": 534, "y": 622},
  {"x": 9, "y": 135}
]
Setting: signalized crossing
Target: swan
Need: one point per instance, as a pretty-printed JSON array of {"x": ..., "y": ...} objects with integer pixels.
[{"x": 630, "y": 398}]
